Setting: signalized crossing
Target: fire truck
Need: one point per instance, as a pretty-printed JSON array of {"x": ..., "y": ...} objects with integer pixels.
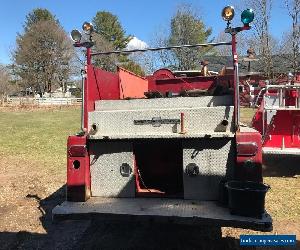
[
  {"x": 278, "y": 119},
  {"x": 168, "y": 146}
]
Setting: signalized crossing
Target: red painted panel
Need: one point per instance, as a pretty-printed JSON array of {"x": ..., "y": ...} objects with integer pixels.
[
  {"x": 99, "y": 85},
  {"x": 257, "y": 120},
  {"x": 164, "y": 83},
  {"x": 283, "y": 132},
  {"x": 78, "y": 172},
  {"x": 131, "y": 85},
  {"x": 296, "y": 130}
]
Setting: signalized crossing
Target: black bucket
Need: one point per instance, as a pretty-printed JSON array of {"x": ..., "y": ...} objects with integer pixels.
[{"x": 247, "y": 198}]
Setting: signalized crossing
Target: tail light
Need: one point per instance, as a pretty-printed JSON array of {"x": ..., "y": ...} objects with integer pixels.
[
  {"x": 247, "y": 148},
  {"x": 249, "y": 156},
  {"x": 77, "y": 151}
]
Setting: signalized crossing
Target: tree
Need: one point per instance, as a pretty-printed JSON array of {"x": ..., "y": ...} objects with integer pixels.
[
  {"x": 110, "y": 35},
  {"x": 188, "y": 28},
  {"x": 133, "y": 67},
  {"x": 293, "y": 7},
  {"x": 43, "y": 53},
  {"x": 38, "y": 15},
  {"x": 262, "y": 39},
  {"x": 106, "y": 62},
  {"x": 5, "y": 87},
  {"x": 109, "y": 26}
]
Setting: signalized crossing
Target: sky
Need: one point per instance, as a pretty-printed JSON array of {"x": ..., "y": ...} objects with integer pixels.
[{"x": 140, "y": 18}]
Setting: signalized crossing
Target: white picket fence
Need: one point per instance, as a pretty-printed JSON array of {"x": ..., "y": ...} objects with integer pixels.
[{"x": 15, "y": 101}]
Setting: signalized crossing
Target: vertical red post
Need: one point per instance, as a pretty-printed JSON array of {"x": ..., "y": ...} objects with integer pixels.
[
  {"x": 236, "y": 83},
  {"x": 88, "y": 56},
  {"x": 86, "y": 89}
]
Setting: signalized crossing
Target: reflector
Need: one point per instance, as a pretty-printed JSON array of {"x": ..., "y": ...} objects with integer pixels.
[
  {"x": 76, "y": 36},
  {"x": 246, "y": 148},
  {"x": 77, "y": 151},
  {"x": 247, "y": 16},
  {"x": 87, "y": 28},
  {"x": 228, "y": 13}
]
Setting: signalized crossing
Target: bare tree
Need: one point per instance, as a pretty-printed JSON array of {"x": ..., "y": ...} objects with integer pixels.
[
  {"x": 42, "y": 56},
  {"x": 106, "y": 62},
  {"x": 242, "y": 44},
  {"x": 262, "y": 40},
  {"x": 5, "y": 85},
  {"x": 293, "y": 7},
  {"x": 159, "y": 59}
]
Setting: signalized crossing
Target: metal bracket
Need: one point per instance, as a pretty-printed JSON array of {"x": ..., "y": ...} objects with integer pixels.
[{"x": 156, "y": 121}]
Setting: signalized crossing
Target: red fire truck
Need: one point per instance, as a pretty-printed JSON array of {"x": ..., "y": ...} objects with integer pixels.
[
  {"x": 278, "y": 119},
  {"x": 168, "y": 146}
]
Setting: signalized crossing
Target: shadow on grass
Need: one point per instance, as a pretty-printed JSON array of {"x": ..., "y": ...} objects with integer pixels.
[
  {"x": 53, "y": 236},
  {"x": 281, "y": 165},
  {"x": 98, "y": 234}
]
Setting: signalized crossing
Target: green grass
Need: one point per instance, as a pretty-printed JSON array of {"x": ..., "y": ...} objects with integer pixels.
[
  {"x": 247, "y": 115},
  {"x": 39, "y": 135},
  {"x": 283, "y": 199}
]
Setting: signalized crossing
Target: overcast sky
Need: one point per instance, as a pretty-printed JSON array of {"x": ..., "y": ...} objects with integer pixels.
[{"x": 140, "y": 18}]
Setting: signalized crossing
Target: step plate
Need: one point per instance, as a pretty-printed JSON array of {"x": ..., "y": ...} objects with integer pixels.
[
  {"x": 279, "y": 151},
  {"x": 157, "y": 103},
  {"x": 179, "y": 211},
  {"x": 160, "y": 122}
]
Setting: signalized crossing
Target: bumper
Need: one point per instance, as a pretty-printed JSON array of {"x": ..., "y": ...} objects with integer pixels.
[{"x": 178, "y": 211}]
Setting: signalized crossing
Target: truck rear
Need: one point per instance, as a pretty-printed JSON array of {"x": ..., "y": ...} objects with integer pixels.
[{"x": 161, "y": 147}]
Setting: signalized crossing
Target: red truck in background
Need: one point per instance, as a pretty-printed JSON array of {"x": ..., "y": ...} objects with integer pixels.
[{"x": 168, "y": 146}]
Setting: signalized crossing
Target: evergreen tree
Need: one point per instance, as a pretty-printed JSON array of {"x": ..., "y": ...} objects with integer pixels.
[
  {"x": 188, "y": 28},
  {"x": 110, "y": 35}
]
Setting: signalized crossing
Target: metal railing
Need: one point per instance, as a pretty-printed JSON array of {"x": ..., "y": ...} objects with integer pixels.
[
  {"x": 281, "y": 94},
  {"x": 278, "y": 98},
  {"x": 46, "y": 101}
]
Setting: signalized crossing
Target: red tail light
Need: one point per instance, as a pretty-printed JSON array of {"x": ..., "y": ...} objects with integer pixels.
[
  {"x": 77, "y": 151},
  {"x": 247, "y": 148}
]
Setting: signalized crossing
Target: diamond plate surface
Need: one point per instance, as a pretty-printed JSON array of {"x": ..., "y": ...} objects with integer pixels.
[
  {"x": 163, "y": 136},
  {"x": 157, "y": 103},
  {"x": 106, "y": 161},
  {"x": 215, "y": 160},
  {"x": 196, "y": 121}
]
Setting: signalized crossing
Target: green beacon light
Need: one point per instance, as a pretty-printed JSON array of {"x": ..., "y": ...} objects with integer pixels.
[{"x": 247, "y": 16}]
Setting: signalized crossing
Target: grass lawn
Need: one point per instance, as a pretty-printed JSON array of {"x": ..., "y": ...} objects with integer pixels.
[
  {"x": 39, "y": 135},
  {"x": 247, "y": 115}
]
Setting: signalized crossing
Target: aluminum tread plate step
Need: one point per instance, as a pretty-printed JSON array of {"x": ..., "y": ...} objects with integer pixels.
[
  {"x": 283, "y": 108},
  {"x": 279, "y": 151},
  {"x": 180, "y": 102},
  {"x": 160, "y": 122},
  {"x": 181, "y": 211},
  {"x": 160, "y": 136}
]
